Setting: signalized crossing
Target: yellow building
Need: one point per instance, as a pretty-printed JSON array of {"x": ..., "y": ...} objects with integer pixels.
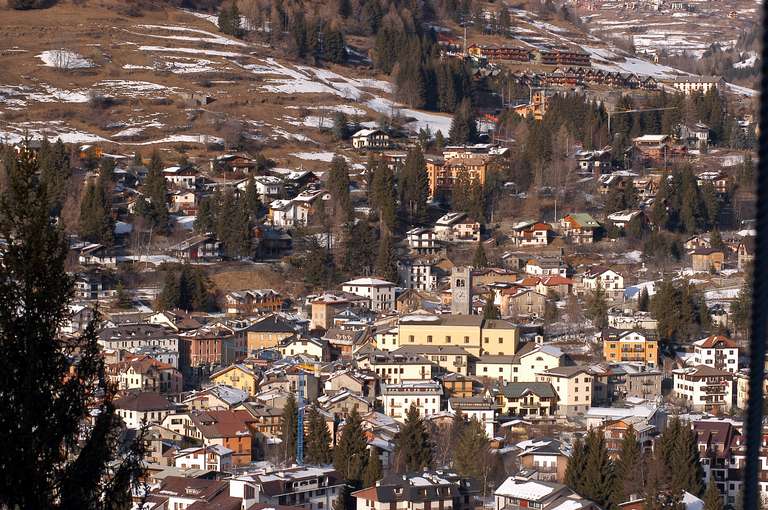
[
  {"x": 238, "y": 376},
  {"x": 470, "y": 332},
  {"x": 632, "y": 346}
]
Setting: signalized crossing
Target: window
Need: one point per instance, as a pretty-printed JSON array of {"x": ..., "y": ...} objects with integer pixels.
[
  {"x": 448, "y": 339},
  {"x": 501, "y": 340},
  {"x": 429, "y": 339},
  {"x": 466, "y": 339},
  {"x": 410, "y": 338}
]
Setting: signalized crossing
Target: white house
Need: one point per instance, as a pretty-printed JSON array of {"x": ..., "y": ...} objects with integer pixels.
[
  {"x": 205, "y": 458},
  {"x": 703, "y": 388},
  {"x": 417, "y": 273},
  {"x": 454, "y": 227},
  {"x": 178, "y": 177},
  {"x": 573, "y": 385},
  {"x": 480, "y": 408},
  {"x": 518, "y": 492},
  {"x": 427, "y": 396},
  {"x": 718, "y": 352},
  {"x": 422, "y": 241},
  {"x": 143, "y": 407},
  {"x": 370, "y": 139},
  {"x": 381, "y": 293},
  {"x": 268, "y": 187},
  {"x": 610, "y": 281},
  {"x": 296, "y": 212},
  {"x": 313, "y": 347}
]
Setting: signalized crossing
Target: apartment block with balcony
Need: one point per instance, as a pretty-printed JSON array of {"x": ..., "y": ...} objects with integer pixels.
[
  {"x": 394, "y": 368},
  {"x": 632, "y": 346},
  {"x": 703, "y": 388},
  {"x": 573, "y": 386},
  {"x": 427, "y": 396},
  {"x": 547, "y": 457},
  {"x": 313, "y": 488},
  {"x": 449, "y": 358},
  {"x": 429, "y": 490},
  {"x": 718, "y": 352},
  {"x": 530, "y": 400}
]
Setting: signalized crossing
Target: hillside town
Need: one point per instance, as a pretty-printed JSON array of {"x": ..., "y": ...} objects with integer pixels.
[{"x": 508, "y": 268}]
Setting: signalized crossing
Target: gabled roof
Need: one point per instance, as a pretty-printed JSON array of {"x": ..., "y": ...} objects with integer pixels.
[
  {"x": 217, "y": 424},
  {"x": 716, "y": 342},
  {"x": 520, "y": 389},
  {"x": 143, "y": 401}
]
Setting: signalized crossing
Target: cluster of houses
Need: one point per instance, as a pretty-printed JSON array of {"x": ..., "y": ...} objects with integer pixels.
[{"x": 574, "y": 76}]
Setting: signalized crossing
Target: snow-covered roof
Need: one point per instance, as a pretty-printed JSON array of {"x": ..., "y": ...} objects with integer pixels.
[
  {"x": 524, "y": 489},
  {"x": 369, "y": 282}
]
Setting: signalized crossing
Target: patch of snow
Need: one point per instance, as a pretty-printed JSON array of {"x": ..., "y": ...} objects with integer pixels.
[
  {"x": 64, "y": 59},
  {"x": 314, "y": 156},
  {"x": 209, "y": 38},
  {"x": 422, "y": 120},
  {"x": 194, "y": 51}
]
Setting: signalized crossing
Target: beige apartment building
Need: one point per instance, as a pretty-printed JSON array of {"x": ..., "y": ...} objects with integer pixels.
[
  {"x": 470, "y": 332},
  {"x": 573, "y": 386}
]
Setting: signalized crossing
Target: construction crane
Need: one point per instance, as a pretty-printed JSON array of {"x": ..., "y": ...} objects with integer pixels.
[
  {"x": 300, "y": 421},
  {"x": 638, "y": 110}
]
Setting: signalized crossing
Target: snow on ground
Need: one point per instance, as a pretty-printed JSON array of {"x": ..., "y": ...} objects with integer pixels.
[
  {"x": 748, "y": 62},
  {"x": 201, "y": 139},
  {"x": 132, "y": 67},
  {"x": 209, "y": 37},
  {"x": 64, "y": 59},
  {"x": 608, "y": 60},
  {"x": 721, "y": 294},
  {"x": 314, "y": 156},
  {"x": 130, "y": 88},
  {"x": 194, "y": 51},
  {"x": 47, "y": 129},
  {"x": 744, "y": 91},
  {"x": 189, "y": 65},
  {"x": 137, "y": 129},
  {"x": 185, "y": 222},
  {"x": 422, "y": 120}
]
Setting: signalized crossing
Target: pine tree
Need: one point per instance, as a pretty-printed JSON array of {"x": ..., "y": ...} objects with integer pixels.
[
  {"x": 383, "y": 195},
  {"x": 205, "y": 220},
  {"x": 252, "y": 201},
  {"x": 170, "y": 295},
  {"x": 490, "y": 310},
  {"x": 318, "y": 449},
  {"x": 96, "y": 223},
  {"x": 479, "y": 260},
  {"x": 289, "y": 426},
  {"x": 439, "y": 140},
  {"x": 626, "y": 480},
  {"x": 75, "y": 457},
  {"x": 156, "y": 191},
  {"x": 464, "y": 125},
  {"x": 340, "y": 126},
  {"x": 373, "y": 470},
  {"x": 338, "y": 186},
  {"x": 472, "y": 450},
  {"x": 712, "y": 499},
  {"x": 686, "y": 469},
  {"x": 334, "y": 48},
  {"x": 597, "y": 307},
  {"x": 122, "y": 299},
  {"x": 386, "y": 261},
  {"x": 360, "y": 254},
  {"x": 577, "y": 463},
  {"x": 598, "y": 471},
  {"x": 414, "y": 186},
  {"x": 350, "y": 454},
  {"x": 413, "y": 451},
  {"x": 644, "y": 300}
]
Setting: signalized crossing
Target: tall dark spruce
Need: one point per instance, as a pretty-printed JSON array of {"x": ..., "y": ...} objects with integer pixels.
[{"x": 56, "y": 406}]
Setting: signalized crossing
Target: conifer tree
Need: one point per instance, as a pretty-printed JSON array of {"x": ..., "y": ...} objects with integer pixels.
[
  {"x": 386, "y": 261},
  {"x": 686, "y": 469},
  {"x": 598, "y": 470},
  {"x": 626, "y": 479},
  {"x": 413, "y": 450},
  {"x": 472, "y": 450},
  {"x": 289, "y": 426},
  {"x": 383, "y": 195},
  {"x": 344, "y": 501},
  {"x": 597, "y": 307},
  {"x": 479, "y": 260},
  {"x": 712, "y": 499},
  {"x": 577, "y": 463},
  {"x": 350, "y": 454},
  {"x": 414, "y": 186},
  {"x": 252, "y": 201},
  {"x": 464, "y": 124},
  {"x": 373, "y": 470},
  {"x": 334, "y": 47},
  {"x": 156, "y": 192},
  {"x": 644, "y": 300},
  {"x": 64, "y": 446},
  {"x": 460, "y": 199},
  {"x": 490, "y": 310},
  {"x": 318, "y": 449},
  {"x": 96, "y": 223},
  {"x": 338, "y": 186},
  {"x": 360, "y": 254},
  {"x": 205, "y": 220},
  {"x": 170, "y": 295}
]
